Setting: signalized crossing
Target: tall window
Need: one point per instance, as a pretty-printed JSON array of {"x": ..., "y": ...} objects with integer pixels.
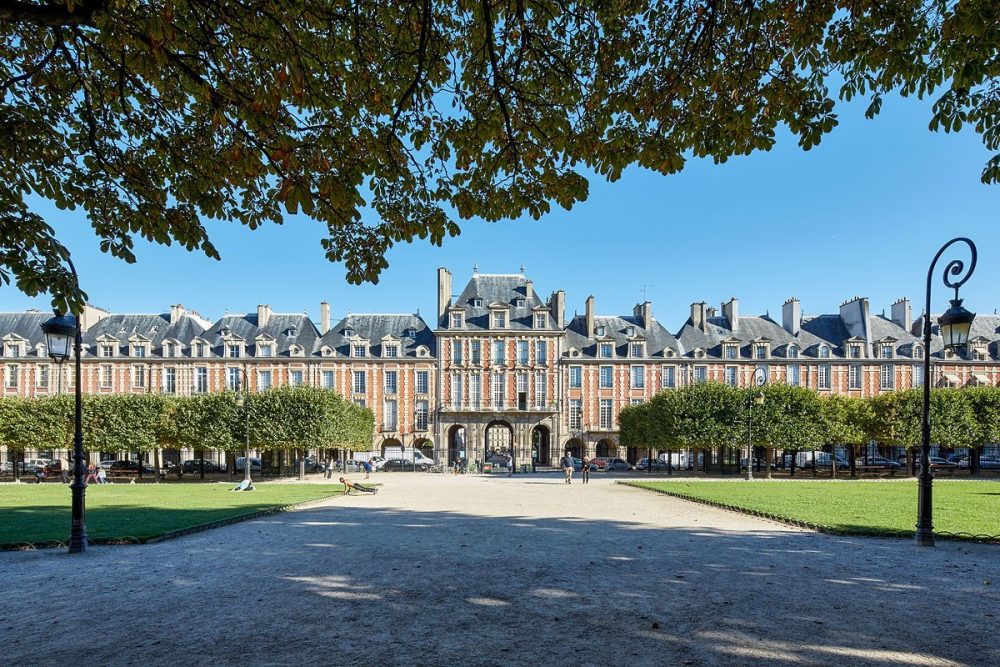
[
  {"x": 541, "y": 389},
  {"x": 575, "y": 377},
  {"x": 328, "y": 380},
  {"x": 522, "y": 352},
  {"x": 575, "y": 412},
  {"x": 731, "y": 376},
  {"x": 359, "y": 350},
  {"x": 265, "y": 350},
  {"x": 456, "y": 320},
  {"x": 264, "y": 380},
  {"x": 794, "y": 377},
  {"x": 793, "y": 352},
  {"x": 637, "y": 351},
  {"x": 823, "y": 376},
  {"x": 824, "y": 352},
  {"x": 476, "y": 351},
  {"x": 456, "y": 390},
  {"x": 607, "y": 377},
  {"x": 605, "y": 414},
  {"x": 498, "y": 390},
  {"x": 855, "y": 351},
  {"x": 295, "y": 378},
  {"x": 390, "y": 415},
  {"x": 456, "y": 351},
  {"x": 476, "y": 389},
  {"x": 169, "y": 380},
  {"x": 497, "y": 346},
  {"x": 12, "y": 376},
  {"x": 607, "y": 350},
  {"x": 499, "y": 320},
  {"x": 234, "y": 379},
  {"x": 422, "y": 382},
  {"x": 420, "y": 416},
  {"x": 106, "y": 376},
  {"x": 760, "y": 351},
  {"x": 42, "y": 376},
  {"x": 391, "y": 351},
  {"x": 731, "y": 352},
  {"x": 700, "y": 373},
  {"x": 887, "y": 350},
  {"x": 540, "y": 320},
  {"x": 201, "y": 380},
  {"x": 669, "y": 378},
  {"x": 854, "y": 377},
  {"x": 359, "y": 385},
  {"x": 638, "y": 377},
  {"x": 541, "y": 352},
  {"x": 138, "y": 377},
  {"x": 139, "y": 351},
  {"x": 391, "y": 382},
  {"x": 887, "y": 376},
  {"x": 917, "y": 376},
  {"x": 233, "y": 350},
  {"x": 521, "y": 382}
]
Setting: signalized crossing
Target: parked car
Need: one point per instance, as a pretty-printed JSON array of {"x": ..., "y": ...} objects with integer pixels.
[
  {"x": 498, "y": 459},
  {"x": 881, "y": 462},
  {"x": 194, "y": 466},
  {"x": 938, "y": 463},
  {"x": 578, "y": 465},
  {"x": 129, "y": 467},
  {"x": 618, "y": 465},
  {"x": 600, "y": 462},
  {"x": 402, "y": 465},
  {"x": 658, "y": 464},
  {"x": 314, "y": 465},
  {"x": 254, "y": 464},
  {"x": 106, "y": 463}
]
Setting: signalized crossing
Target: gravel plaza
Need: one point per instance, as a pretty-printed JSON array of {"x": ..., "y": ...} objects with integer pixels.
[{"x": 442, "y": 569}]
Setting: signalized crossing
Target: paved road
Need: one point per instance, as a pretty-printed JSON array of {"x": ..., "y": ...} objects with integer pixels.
[{"x": 437, "y": 569}]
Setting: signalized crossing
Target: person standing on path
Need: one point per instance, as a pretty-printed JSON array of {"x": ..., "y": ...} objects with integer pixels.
[
  {"x": 368, "y": 468},
  {"x": 567, "y": 465},
  {"x": 585, "y": 469},
  {"x": 509, "y": 460},
  {"x": 64, "y": 469}
]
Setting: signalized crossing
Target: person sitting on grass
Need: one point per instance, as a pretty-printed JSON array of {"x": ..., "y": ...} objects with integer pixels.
[{"x": 353, "y": 486}]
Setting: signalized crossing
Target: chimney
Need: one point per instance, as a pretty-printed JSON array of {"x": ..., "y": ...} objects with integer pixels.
[
  {"x": 902, "y": 315},
  {"x": 557, "y": 306},
  {"x": 698, "y": 315},
  {"x": 444, "y": 292},
  {"x": 324, "y": 317},
  {"x": 263, "y": 315},
  {"x": 710, "y": 312},
  {"x": 854, "y": 313},
  {"x": 590, "y": 316},
  {"x": 644, "y": 312},
  {"x": 177, "y": 311},
  {"x": 529, "y": 291},
  {"x": 731, "y": 311},
  {"x": 791, "y": 316},
  {"x": 91, "y": 316}
]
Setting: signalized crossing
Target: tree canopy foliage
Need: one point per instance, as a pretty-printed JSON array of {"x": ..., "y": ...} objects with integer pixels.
[{"x": 389, "y": 121}]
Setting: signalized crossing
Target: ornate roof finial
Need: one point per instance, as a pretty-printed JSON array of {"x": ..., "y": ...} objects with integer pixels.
[
  {"x": 522, "y": 269},
  {"x": 475, "y": 268}
]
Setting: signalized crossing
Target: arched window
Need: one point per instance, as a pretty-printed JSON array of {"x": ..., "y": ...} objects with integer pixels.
[
  {"x": 824, "y": 352},
  {"x": 793, "y": 352}
]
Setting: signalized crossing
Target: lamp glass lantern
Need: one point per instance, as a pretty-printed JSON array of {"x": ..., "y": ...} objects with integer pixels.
[
  {"x": 758, "y": 398},
  {"x": 955, "y": 325},
  {"x": 59, "y": 334}
]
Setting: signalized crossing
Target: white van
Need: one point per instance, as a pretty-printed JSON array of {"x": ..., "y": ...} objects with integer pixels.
[{"x": 407, "y": 454}]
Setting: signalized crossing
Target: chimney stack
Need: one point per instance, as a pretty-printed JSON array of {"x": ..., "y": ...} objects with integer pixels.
[
  {"x": 698, "y": 313},
  {"x": 731, "y": 311},
  {"x": 444, "y": 292},
  {"x": 324, "y": 317},
  {"x": 176, "y": 313},
  {"x": 263, "y": 315},
  {"x": 902, "y": 315},
  {"x": 557, "y": 306},
  {"x": 791, "y": 316},
  {"x": 590, "y": 316},
  {"x": 644, "y": 312},
  {"x": 529, "y": 291}
]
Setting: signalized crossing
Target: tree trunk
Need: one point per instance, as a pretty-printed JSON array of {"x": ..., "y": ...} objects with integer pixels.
[
  {"x": 791, "y": 467},
  {"x": 156, "y": 464},
  {"x": 815, "y": 467},
  {"x": 15, "y": 466},
  {"x": 302, "y": 464},
  {"x": 853, "y": 454},
  {"x": 974, "y": 461},
  {"x": 768, "y": 457}
]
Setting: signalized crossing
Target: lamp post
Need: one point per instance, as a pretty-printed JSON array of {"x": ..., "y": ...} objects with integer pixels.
[
  {"x": 58, "y": 331},
  {"x": 955, "y": 325},
  {"x": 758, "y": 381},
  {"x": 241, "y": 403}
]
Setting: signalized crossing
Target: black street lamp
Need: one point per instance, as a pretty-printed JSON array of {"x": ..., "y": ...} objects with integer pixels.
[
  {"x": 241, "y": 403},
  {"x": 58, "y": 331},
  {"x": 758, "y": 381},
  {"x": 955, "y": 325}
]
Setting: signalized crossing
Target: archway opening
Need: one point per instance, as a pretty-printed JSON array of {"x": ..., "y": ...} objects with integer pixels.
[
  {"x": 392, "y": 449},
  {"x": 499, "y": 438},
  {"x": 605, "y": 448},
  {"x": 457, "y": 445},
  {"x": 540, "y": 449},
  {"x": 575, "y": 448},
  {"x": 425, "y": 447}
]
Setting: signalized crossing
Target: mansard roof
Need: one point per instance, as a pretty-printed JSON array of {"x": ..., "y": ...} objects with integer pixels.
[
  {"x": 26, "y": 325},
  {"x": 286, "y": 330},
  {"x": 376, "y": 327},
  {"x": 154, "y": 327},
  {"x": 656, "y": 337},
  {"x": 497, "y": 289},
  {"x": 814, "y": 332}
]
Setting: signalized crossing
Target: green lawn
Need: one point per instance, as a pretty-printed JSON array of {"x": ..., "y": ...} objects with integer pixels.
[
  {"x": 855, "y": 506},
  {"x": 41, "y": 512}
]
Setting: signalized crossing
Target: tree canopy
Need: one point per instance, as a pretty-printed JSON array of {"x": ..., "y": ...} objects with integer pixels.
[{"x": 390, "y": 121}]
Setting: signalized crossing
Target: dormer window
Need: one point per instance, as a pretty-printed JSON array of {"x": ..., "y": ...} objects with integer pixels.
[
  {"x": 607, "y": 350},
  {"x": 540, "y": 320},
  {"x": 457, "y": 320},
  {"x": 824, "y": 352},
  {"x": 348, "y": 332},
  {"x": 918, "y": 352},
  {"x": 731, "y": 350},
  {"x": 410, "y": 333},
  {"x": 793, "y": 352},
  {"x": 233, "y": 350},
  {"x": 601, "y": 330},
  {"x": 12, "y": 350},
  {"x": 477, "y": 303},
  {"x": 630, "y": 331},
  {"x": 637, "y": 350},
  {"x": 265, "y": 350},
  {"x": 107, "y": 349},
  {"x": 295, "y": 351},
  {"x": 519, "y": 303},
  {"x": 886, "y": 351},
  {"x": 391, "y": 350},
  {"x": 760, "y": 351},
  {"x": 199, "y": 349},
  {"x": 224, "y": 331},
  {"x": 291, "y": 332},
  {"x": 168, "y": 349},
  {"x": 499, "y": 320},
  {"x": 326, "y": 351},
  {"x": 699, "y": 354},
  {"x": 855, "y": 351},
  {"x": 139, "y": 351},
  {"x": 359, "y": 350}
]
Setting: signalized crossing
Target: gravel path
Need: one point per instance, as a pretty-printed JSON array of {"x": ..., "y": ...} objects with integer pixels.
[{"x": 438, "y": 569}]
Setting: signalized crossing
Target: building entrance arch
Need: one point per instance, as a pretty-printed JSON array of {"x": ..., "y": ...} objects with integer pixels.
[
  {"x": 425, "y": 447},
  {"x": 499, "y": 437},
  {"x": 575, "y": 447},
  {"x": 457, "y": 444},
  {"x": 540, "y": 449},
  {"x": 605, "y": 448},
  {"x": 392, "y": 449}
]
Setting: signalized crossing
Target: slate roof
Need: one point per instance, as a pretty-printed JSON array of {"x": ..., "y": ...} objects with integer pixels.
[
  {"x": 374, "y": 327},
  {"x": 26, "y": 325},
  {"x": 657, "y": 338},
  {"x": 155, "y": 328},
  {"x": 494, "y": 288},
  {"x": 285, "y": 329}
]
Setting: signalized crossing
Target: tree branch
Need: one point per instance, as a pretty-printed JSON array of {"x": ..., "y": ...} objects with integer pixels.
[{"x": 52, "y": 16}]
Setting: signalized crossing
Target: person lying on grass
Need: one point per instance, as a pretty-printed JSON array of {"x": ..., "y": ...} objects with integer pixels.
[{"x": 353, "y": 486}]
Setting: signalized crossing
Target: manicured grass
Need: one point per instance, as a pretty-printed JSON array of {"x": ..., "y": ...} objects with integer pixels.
[
  {"x": 38, "y": 513},
  {"x": 854, "y": 507}
]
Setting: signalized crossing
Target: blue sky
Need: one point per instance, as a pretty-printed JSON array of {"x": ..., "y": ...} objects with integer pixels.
[{"x": 862, "y": 214}]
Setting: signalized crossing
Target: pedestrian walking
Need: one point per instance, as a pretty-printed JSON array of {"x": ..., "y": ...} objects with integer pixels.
[
  {"x": 567, "y": 465},
  {"x": 102, "y": 477},
  {"x": 329, "y": 469},
  {"x": 585, "y": 469},
  {"x": 64, "y": 469},
  {"x": 510, "y": 464}
]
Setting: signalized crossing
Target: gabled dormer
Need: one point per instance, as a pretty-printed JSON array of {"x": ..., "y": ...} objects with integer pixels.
[
  {"x": 265, "y": 346},
  {"x": 885, "y": 348},
  {"x": 233, "y": 346},
  {"x": 499, "y": 315},
  {"x": 107, "y": 346},
  {"x": 456, "y": 317},
  {"x": 14, "y": 346},
  {"x": 170, "y": 348},
  {"x": 760, "y": 348},
  {"x": 731, "y": 347},
  {"x": 979, "y": 348},
  {"x": 200, "y": 347},
  {"x": 358, "y": 347},
  {"x": 637, "y": 347},
  {"x": 138, "y": 346},
  {"x": 540, "y": 317},
  {"x": 390, "y": 347},
  {"x": 854, "y": 347}
]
